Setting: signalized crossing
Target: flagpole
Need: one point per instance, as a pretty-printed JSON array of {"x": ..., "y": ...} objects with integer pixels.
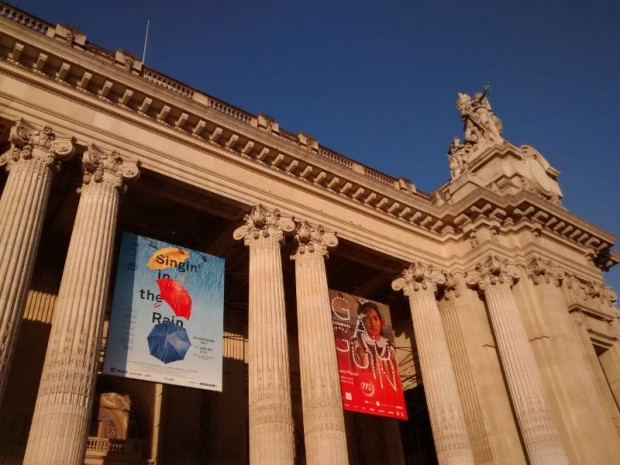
[{"x": 146, "y": 38}]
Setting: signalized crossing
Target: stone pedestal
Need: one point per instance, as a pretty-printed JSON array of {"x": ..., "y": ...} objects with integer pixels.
[
  {"x": 271, "y": 420},
  {"x": 31, "y": 161},
  {"x": 419, "y": 282},
  {"x": 494, "y": 278},
  {"x": 62, "y": 411},
  {"x": 324, "y": 429}
]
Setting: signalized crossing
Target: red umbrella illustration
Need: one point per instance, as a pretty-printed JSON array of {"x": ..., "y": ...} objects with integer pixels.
[{"x": 176, "y": 296}]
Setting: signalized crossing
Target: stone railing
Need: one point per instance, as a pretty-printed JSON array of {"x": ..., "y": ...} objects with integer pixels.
[
  {"x": 167, "y": 83},
  {"x": 117, "y": 446},
  {"x": 288, "y": 135},
  {"x": 24, "y": 19},
  {"x": 99, "y": 51},
  {"x": 335, "y": 157},
  {"x": 231, "y": 111},
  {"x": 379, "y": 176}
]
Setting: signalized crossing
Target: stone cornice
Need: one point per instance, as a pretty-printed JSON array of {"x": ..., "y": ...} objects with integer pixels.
[{"x": 508, "y": 212}]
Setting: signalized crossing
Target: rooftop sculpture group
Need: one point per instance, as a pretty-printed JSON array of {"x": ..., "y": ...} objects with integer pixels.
[{"x": 482, "y": 130}]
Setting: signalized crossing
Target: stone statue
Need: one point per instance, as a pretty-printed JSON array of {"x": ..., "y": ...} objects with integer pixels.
[
  {"x": 455, "y": 158},
  {"x": 482, "y": 127},
  {"x": 459, "y": 156}
]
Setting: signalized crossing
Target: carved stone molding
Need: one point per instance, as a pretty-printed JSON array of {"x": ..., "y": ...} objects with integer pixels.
[
  {"x": 451, "y": 289},
  {"x": 108, "y": 167},
  {"x": 313, "y": 239},
  {"x": 589, "y": 294},
  {"x": 544, "y": 271},
  {"x": 29, "y": 141},
  {"x": 491, "y": 271},
  {"x": 419, "y": 277},
  {"x": 263, "y": 223}
]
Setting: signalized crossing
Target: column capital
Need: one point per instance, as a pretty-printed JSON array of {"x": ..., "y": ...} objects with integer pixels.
[
  {"x": 589, "y": 294},
  {"x": 492, "y": 271},
  {"x": 419, "y": 276},
  {"x": 263, "y": 223},
  {"x": 31, "y": 141},
  {"x": 313, "y": 239},
  {"x": 101, "y": 166},
  {"x": 541, "y": 271}
]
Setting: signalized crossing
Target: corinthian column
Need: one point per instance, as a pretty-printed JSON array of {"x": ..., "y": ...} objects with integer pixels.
[
  {"x": 419, "y": 282},
  {"x": 590, "y": 439},
  {"x": 271, "y": 419},
  {"x": 324, "y": 431},
  {"x": 62, "y": 411},
  {"x": 31, "y": 161},
  {"x": 494, "y": 278}
]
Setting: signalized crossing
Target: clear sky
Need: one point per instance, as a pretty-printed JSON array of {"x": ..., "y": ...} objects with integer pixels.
[{"x": 377, "y": 81}]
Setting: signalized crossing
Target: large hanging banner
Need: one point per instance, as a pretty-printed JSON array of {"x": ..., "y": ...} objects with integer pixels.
[
  {"x": 167, "y": 315},
  {"x": 369, "y": 374}
]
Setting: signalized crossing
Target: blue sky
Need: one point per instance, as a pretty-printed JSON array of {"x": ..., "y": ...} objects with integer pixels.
[{"x": 377, "y": 81}]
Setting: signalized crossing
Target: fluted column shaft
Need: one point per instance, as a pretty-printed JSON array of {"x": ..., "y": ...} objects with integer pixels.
[
  {"x": 62, "y": 411},
  {"x": 481, "y": 446},
  {"x": 419, "y": 283},
  {"x": 271, "y": 419},
  {"x": 590, "y": 438},
  {"x": 538, "y": 429},
  {"x": 602, "y": 386},
  {"x": 324, "y": 429},
  {"x": 31, "y": 162}
]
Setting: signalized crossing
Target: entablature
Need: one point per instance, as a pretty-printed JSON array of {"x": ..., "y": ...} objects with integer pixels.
[
  {"x": 121, "y": 83},
  {"x": 118, "y": 79},
  {"x": 525, "y": 209}
]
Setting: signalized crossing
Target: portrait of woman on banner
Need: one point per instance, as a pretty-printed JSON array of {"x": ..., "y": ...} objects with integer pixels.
[{"x": 371, "y": 352}]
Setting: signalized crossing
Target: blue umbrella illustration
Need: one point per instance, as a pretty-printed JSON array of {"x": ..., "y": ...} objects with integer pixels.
[{"x": 168, "y": 342}]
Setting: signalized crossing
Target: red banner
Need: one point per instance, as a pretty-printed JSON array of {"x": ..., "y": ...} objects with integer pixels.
[{"x": 369, "y": 374}]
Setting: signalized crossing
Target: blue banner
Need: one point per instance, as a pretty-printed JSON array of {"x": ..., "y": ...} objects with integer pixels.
[{"x": 167, "y": 315}]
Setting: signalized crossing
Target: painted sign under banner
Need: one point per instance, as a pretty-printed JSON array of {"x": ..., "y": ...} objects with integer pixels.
[
  {"x": 167, "y": 315},
  {"x": 369, "y": 373}
]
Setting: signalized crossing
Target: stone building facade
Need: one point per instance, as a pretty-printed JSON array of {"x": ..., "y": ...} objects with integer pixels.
[{"x": 507, "y": 336}]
